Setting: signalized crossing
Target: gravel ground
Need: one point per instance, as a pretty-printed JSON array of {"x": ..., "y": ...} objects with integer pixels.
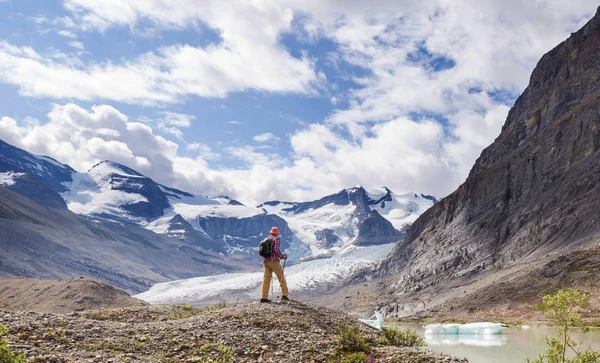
[{"x": 276, "y": 332}]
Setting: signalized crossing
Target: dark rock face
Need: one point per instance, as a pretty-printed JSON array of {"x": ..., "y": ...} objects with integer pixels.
[
  {"x": 39, "y": 191},
  {"x": 386, "y": 198},
  {"x": 180, "y": 228},
  {"x": 327, "y": 238},
  {"x": 246, "y": 232},
  {"x": 45, "y": 168},
  {"x": 535, "y": 189},
  {"x": 376, "y": 230}
]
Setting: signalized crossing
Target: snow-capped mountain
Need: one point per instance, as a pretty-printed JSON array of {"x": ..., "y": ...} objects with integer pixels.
[
  {"x": 221, "y": 224},
  {"x": 55, "y": 174},
  {"x": 111, "y": 191},
  {"x": 37, "y": 177},
  {"x": 355, "y": 216}
]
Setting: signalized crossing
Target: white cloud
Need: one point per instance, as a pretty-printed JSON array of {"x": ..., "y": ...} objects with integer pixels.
[
  {"x": 250, "y": 56},
  {"x": 77, "y": 45},
  {"x": 253, "y": 156},
  {"x": 203, "y": 150},
  {"x": 412, "y": 127},
  {"x": 234, "y": 122},
  {"x": 178, "y": 119},
  {"x": 267, "y": 136},
  {"x": 67, "y": 33},
  {"x": 81, "y": 138}
]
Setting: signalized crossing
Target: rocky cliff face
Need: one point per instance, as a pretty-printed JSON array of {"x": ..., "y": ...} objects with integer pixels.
[
  {"x": 376, "y": 230},
  {"x": 536, "y": 189},
  {"x": 245, "y": 234}
]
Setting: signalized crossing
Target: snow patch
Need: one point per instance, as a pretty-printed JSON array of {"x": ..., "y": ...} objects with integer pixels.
[
  {"x": 9, "y": 178},
  {"x": 402, "y": 210},
  {"x": 92, "y": 193}
]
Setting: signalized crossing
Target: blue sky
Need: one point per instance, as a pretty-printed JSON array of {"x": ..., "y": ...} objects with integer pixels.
[{"x": 271, "y": 100}]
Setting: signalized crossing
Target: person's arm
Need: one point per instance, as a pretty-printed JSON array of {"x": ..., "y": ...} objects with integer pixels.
[{"x": 276, "y": 250}]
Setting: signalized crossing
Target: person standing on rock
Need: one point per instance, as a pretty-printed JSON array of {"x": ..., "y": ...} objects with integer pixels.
[{"x": 272, "y": 264}]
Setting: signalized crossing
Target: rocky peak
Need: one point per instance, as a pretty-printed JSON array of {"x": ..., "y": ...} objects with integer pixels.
[
  {"x": 48, "y": 170},
  {"x": 376, "y": 230},
  {"x": 107, "y": 167},
  {"x": 535, "y": 189}
]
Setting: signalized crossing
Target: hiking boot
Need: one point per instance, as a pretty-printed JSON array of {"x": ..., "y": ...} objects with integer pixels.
[
  {"x": 285, "y": 298},
  {"x": 265, "y": 300}
]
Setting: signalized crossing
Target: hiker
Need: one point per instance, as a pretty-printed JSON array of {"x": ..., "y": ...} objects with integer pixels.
[{"x": 271, "y": 265}]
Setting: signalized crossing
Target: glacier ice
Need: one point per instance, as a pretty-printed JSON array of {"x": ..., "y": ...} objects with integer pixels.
[
  {"x": 472, "y": 328},
  {"x": 377, "y": 323}
]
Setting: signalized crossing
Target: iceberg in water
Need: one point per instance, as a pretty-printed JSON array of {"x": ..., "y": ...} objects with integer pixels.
[
  {"x": 472, "y": 328},
  {"x": 495, "y": 340},
  {"x": 377, "y": 323}
]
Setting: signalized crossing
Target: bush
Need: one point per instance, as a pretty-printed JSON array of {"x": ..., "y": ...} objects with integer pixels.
[
  {"x": 6, "y": 355},
  {"x": 352, "y": 340},
  {"x": 403, "y": 338},
  {"x": 562, "y": 309}
]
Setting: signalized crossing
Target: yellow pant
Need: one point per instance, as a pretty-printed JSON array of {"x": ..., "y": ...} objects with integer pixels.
[{"x": 271, "y": 267}]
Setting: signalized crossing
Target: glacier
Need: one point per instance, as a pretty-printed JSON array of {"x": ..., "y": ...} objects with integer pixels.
[{"x": 306, "y": 276}]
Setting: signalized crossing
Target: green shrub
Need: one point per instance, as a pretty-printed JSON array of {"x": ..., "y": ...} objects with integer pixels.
[
  {"x": 6, "y": 355},
  {"x": 352, "y": 340},
  {"x": 562, "y": 308},
  {"x": 403, "y": 338}
]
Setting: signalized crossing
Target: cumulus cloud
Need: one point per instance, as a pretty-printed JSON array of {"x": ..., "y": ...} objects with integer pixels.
[
  {"x": 431, "y": 91},
  {"x": 203, "y": 150},
  {"x": 249, "y": 57},
  {"x": 267, "y": 136},
  {"x": 81, "y": 138},
  {"x": 77, "y": 45},
  {"x": 178, "y": 119}
]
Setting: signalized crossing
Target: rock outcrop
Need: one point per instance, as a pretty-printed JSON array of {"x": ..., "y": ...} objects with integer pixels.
[
  {"x": 246, "y": 233},
  {"x": 376, "y": 230},
  {"x": 535, "y": 190}
]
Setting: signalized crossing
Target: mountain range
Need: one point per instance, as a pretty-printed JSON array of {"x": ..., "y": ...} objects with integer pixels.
[{"x": 116, "y": 203}]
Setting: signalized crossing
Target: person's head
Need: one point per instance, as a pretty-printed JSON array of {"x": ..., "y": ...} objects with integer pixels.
[{"x": 275, "y": 232}]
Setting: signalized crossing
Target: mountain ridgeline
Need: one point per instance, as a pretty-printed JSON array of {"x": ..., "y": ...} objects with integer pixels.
[
  {"x": 151, "y": 233},
  {"x": 532, "y": 194}
]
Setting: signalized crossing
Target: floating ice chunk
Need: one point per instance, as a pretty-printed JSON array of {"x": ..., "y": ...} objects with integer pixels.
[
  {"x": 466, "y": 339},
  {"x": 472, "y": 328},
  {"x": 377, "y": 323}
]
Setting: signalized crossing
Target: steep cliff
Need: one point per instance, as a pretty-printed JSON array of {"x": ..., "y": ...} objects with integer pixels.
[{"x": 534, "y": 191}]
